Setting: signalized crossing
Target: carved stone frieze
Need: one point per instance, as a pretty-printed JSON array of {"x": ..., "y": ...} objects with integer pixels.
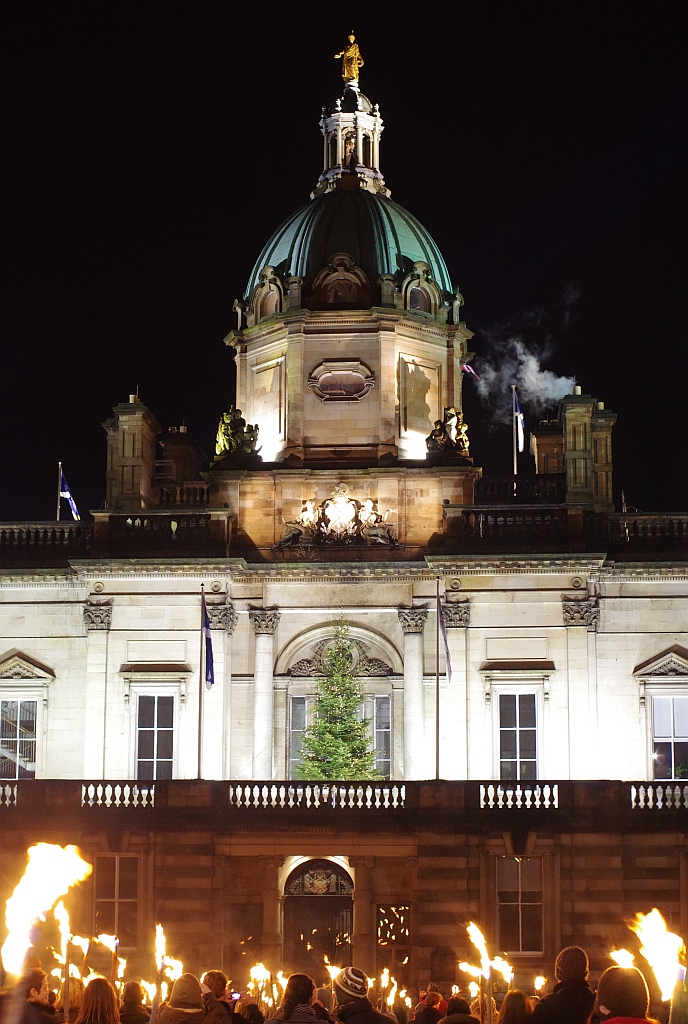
[
  {"x": 362, "y": 662},
  {"x": 412, "y": 619},
  {"x": 97, "y": 616},
  {"x": 223, "y": 616},
  {"x": 456, "y": 614},
  {"x": 581, "y": 612},
  {"x": 264, "y": 620}
]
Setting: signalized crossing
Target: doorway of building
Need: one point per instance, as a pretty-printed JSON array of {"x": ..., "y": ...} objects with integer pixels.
[{"x": 318, "y": 914}]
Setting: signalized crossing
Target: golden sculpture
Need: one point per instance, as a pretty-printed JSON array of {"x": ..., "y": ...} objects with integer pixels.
[{"x": 351, "y": 60}]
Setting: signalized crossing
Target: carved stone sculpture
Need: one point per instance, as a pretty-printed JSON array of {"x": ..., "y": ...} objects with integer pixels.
[
  {"x": 450, "y": 435},
  {"x": 351, "y": 60},
  {"x": 264, "y": 620},
  {"x": 456, "y": 614},
  {"x": 412, "y": 619},
  {"x": 581, "y": 612},
  {"x": 340, "y": 519},
  {"x": 235, "y": 436},
  {"x": 223, "y": 616},
  {"x": 97, "y": 616}
]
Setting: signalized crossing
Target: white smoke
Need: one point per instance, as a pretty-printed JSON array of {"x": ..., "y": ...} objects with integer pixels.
[{"x": 514, "y": 353}]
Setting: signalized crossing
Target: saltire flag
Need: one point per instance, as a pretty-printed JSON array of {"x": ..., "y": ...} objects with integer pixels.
[
  {"x": 520, "y": 423},
  {"x": 66, "y": 493},
  {"x": 443, "y": 629},
  {"x": 467, "y": 368},
  {"x": 205, "y": 631}
]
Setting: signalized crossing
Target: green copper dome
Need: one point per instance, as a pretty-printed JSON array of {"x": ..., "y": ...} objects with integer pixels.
[{"x": 381, "y": 236}]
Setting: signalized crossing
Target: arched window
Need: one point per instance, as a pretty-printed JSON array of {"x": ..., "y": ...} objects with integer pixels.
[
  {"x": 420, "y": 300},
  {"x": 367, "y": 158}
]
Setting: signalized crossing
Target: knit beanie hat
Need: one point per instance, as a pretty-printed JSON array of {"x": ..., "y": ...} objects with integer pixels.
[
  {"x": 352, "y": 983},
  {"x": 571, "y": 964},
  {"x": 186, "y": 993},
  {"x": 622, "y": 992}
]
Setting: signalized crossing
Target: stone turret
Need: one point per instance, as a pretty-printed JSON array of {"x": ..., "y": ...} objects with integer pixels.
[
  {"x": 131, "y": 440},
  {"x": 587, "y": 433}
]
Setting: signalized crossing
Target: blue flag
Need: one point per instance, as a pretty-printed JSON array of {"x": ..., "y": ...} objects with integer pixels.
[
  {"x": 66, "y": 493},
  {"x": 205, "y": 630},
  {"x": 520, "y": 423}
]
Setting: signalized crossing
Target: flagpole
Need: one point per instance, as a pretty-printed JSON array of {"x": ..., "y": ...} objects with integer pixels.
[
  {"x": 201, "y": 674},
  {"x": 59, "y": 482},
  {"x": 437, "y": 680},
  {"x": 513, "y": 429}
]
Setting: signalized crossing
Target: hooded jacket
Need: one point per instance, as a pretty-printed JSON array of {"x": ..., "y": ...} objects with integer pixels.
[{"x": 187, "y": 1006}]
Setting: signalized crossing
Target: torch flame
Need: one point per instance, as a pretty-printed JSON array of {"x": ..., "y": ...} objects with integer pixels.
[
  {"x": 331, "y": 969},
  {"x": 475, "y": 972},
  {"x": 392, "y": 995},
  {"x": 282, "y": 979},
  {"x": 473, "y": 988},
  {"x": 478, "y": 940},
  {"x": 122, "y": 963},
  {"x": 539, "y": 982},
  {"x": 160, "y": 947},
  {"x": 384, "y": 978},
  {"x": 110, "y": 942},
  {"x": 50, "y": 873},
  {"x": 660, "y": 948},
  {"x": 62, "y": 918},
  {"x": 81, "y": 942},
  {"x": 505, "y": 969},
  {"x": 259, "y": 973},
  {"x": 622, "y": 957},
  {"x": 149, "y": 988},
  {"x": 173, "y": 968}
]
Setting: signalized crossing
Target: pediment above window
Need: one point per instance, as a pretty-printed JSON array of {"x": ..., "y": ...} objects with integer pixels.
[
  {"x": 14, "y": 664},
  {"x": 670, "y": 664}
]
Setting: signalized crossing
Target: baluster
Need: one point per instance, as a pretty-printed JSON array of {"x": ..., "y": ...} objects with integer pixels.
[
  {"x": 644, "y": 802},
  {"x": 634, "y": 794}
]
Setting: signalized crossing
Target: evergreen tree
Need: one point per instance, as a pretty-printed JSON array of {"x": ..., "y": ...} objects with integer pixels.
[{"x": 336, "y": 745}]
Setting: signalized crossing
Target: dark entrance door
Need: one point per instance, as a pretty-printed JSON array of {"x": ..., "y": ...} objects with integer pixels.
[{"x": 318, "y": 909}]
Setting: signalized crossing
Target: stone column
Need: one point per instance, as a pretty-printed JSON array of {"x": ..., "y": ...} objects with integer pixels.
[
  {"x": 364, "y": 923},
  {"x": 271, "y": 939},
  {"x": 412, "y": 623},
  {"x": 223, "y": 617},
  {"x": 264, "y": 622},
  {"x": 581, "y": 619},
  {"x": 97, "y": 621},
  {"x": 454, "y": 711}
]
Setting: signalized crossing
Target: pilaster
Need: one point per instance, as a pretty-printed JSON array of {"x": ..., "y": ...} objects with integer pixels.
[
  {"x": 264, "y": 622},
  {"x": 412, "y": 621}
]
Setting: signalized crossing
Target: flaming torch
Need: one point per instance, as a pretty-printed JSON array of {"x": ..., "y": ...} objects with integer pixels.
[
  {"x": 110, "y": 942},
  {"x": 664, "y": 950},
  {"x": 260, "y": 976},
  {"x": 622, "y": 957},
  {"x": 50, "y": 873},
  {"x": 160, "y": 948},
  {"x": 539, "y": 984},
  {"x": 478, "y": 940}
]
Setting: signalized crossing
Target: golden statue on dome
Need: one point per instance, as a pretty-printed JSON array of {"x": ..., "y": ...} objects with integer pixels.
[{"x": 351, "y": 60}]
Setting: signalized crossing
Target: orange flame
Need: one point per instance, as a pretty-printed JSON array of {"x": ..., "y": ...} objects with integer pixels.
[
  {"x": 660, "y": 948},
  {"x": 50, "y": 873},
  {"x": 622, "y": 957},
  {"x": 478, "y": 940}
]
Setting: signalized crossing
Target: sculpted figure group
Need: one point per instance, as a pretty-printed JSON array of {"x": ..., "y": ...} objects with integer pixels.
[
  {"x": 339, "y": 519},
  {"x": 449, "y": 436},
  {"x": 235, "y": 436}
]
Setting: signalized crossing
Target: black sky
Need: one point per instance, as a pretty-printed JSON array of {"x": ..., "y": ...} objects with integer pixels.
[{"x": 151, "y": 148}]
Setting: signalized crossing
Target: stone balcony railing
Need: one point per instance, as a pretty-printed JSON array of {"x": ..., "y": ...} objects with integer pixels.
[
  {"x": 46, "y": 543},
  {"x": 550, "y": 806}
]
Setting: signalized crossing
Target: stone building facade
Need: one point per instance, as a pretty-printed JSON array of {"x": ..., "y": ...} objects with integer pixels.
[{"x": 565, "y": 666}]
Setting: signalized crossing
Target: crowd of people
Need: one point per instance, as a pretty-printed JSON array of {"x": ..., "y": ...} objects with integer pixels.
[{"x": 622, "y": 996}]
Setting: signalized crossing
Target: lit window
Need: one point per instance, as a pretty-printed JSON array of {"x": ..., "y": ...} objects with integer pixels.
[
  {"x": 297, "y": 727},
  {"x": 517, "y": 747},
  {"x": 383, "y": 736},
  {"x": 670, "y": 737},
  {"x": 117, "y": 896},
  {"x": 18, "y": 739},
  {"x": 155, "y": 737},
  {"x": 519, "y": 904}
]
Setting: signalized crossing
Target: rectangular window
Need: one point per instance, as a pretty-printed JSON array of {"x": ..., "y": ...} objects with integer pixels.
[
  {"x": 18, "y": 739},
  {"x": 382, "y": 726},
  {"x": 155, "y": 737},
  {"x": 297, "y": 727},
  {"x": 117, "y": 897},
  {"x": 670, "y": 737},
  {"x": 517, "y": 750},
  {"x": 519, "y": 904}
]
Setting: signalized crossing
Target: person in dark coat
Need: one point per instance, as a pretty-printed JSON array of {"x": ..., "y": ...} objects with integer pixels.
[
  {"x": 430, "y": 1013},
  {"x": 572, "y": 1000},
  {"x": 459, "y": 1012},
  {"x": 133, "y": 1010},
  {"x": 189, "y": 1005},
  {"x": 351, "y": 996},
  {"x": 623, "y": 995}
]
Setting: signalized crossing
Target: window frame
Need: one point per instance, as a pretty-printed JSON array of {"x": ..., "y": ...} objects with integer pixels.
[
  {"x": 498, "y": 904},
  {"x": 139, "y": 889},
  {"x": 23, "y": 699},
  {"x": 36, "y": 689},
  {"x": 152, "y": 687},
  {"x": 519, "y": 684},
  {"x": 671, "y": 692}
]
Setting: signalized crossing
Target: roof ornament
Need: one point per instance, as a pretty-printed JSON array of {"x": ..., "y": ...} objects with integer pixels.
[{"x": 351, "y": 60}]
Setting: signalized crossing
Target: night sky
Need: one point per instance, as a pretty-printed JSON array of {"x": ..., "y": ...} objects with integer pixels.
[{"x": 151, "y": 149}]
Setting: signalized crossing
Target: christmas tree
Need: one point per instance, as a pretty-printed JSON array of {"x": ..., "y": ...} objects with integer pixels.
[{"x": 336, "y": 745}]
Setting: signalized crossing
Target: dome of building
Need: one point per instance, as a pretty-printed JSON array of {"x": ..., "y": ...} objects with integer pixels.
[{"x": 379, "y": 234}]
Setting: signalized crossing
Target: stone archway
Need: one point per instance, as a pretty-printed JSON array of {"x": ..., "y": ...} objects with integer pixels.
[{"x": 318, "y": 917}]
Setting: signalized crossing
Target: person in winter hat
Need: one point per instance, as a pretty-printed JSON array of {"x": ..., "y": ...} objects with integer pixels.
[
  {"x": 623, "y": 996},
  {"x": 351, "y": 995},
  {"x": 191, "y": 1003},
  {"x": 572, "y": 999}
]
